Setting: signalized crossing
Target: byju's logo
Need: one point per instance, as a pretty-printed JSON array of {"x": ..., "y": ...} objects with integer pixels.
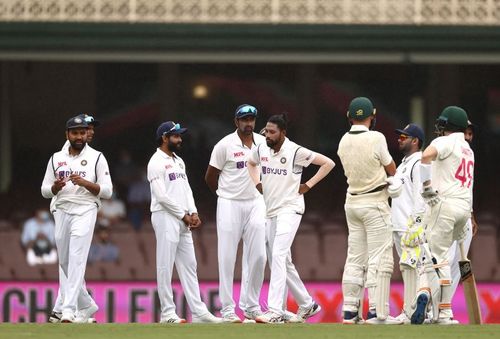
[
  {"x": 241, "y": 164},
  {"x": 277, "y": 171},
  {"x": 171, "y": 176}
]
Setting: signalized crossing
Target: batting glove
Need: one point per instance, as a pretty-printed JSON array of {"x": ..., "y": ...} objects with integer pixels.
[{"x": 430, "y": 196}]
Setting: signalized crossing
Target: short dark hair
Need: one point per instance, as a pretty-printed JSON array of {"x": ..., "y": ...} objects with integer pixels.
[{"x": 281, "y": 120}]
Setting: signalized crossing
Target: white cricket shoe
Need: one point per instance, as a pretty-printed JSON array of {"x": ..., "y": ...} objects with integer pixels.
[
  {"x": 67, "y": 318},
  {"x": 307, "y": 312},
  {"x": 55, "y": 317},
  {"x": 404, "y": 318},
  {"x": 85, "y": 314},
  {"x": 447, "y": 321},
  {"x": 292, "y": 318},
  {"x": 373, "y": 320},
  {"x": 270, "y": 318},
  {"x": 231, "y": 318},
  {"x": 251, "y": 315},
  {"x": 173, "y": 319},
  {"x": 207, "y": 318}
]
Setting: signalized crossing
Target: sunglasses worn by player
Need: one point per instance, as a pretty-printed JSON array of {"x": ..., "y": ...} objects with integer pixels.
[{"x": 403, "y": 137}]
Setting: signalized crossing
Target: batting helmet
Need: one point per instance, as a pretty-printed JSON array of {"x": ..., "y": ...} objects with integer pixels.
[
  {"x": 452, "y": 118},
  {"x": 360, "y": 108}
]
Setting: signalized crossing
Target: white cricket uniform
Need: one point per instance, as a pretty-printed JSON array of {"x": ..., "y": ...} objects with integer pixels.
[
  {"x": 171, "y": 200},
  {"x": 75, "y": 211},
  {"x": 240, "y": 215},
  {"x": 84, "y": 298},
  {"x": 364, "y": 154},
  {"x": 410, "y": 201},
  {"x": 281, "y": 173},
  {"x": 453, "y": 178}
]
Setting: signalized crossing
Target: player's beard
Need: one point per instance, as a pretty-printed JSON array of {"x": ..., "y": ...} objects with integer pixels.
[
  {"x": 77, "y": 146},
  {"x": 247, "y": 130},
  {"x": 271, "y": 143},
  {"x": 174, "y": 147},
  {"x": 405, "y": 149}
]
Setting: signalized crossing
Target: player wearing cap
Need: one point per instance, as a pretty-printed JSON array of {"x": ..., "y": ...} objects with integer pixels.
[
  {"x": 282, "y": 162},
  {"x": 86, "y": 305},
  {"x": 173, "y": 215},
  {"x": 78, "y": 177},
  {"x": 367, "y": 163},
  {"x": 240, "y": 215},
  {"x": 407, "y": 210},
  {"x": 447, "y": 175}
]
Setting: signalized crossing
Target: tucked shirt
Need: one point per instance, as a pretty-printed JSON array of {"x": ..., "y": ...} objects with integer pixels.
[
  {"x": 91, "y": 165},
  {"x": 230, "y": 157},
  {"x": 170, "y": 190},
  {"x": 281, "y": 174},
  {"x": 409, "y": 202}
]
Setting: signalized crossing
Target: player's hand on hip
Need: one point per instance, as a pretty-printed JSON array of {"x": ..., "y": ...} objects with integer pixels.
[
  {"x": 303, "y": 188},
  {"x": 58, "y": 185},
  {"x": 430, "y": 195}
]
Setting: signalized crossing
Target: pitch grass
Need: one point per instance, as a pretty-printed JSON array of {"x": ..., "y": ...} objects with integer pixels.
[{"x": 242, "y": 331}]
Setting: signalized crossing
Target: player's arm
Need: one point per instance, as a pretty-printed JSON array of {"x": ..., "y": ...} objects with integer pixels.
[
  {"x": 253, "y": 171},
  {"x": 157, "y": 181},
  {"x": 212, "y": 177},
  {"x": 428, "y": 156},
  {"x": 104, "y": 179},
  {"x": 385, "y": 157},
  {"x": 325, "y": 166},
  {"x": 390, "y": 169}
]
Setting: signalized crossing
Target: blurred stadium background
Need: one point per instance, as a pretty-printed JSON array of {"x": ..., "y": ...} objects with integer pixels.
[{"x": 135, "y": 63}]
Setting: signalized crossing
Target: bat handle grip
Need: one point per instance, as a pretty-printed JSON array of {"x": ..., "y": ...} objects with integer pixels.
[{"x": 463, "y": 255}]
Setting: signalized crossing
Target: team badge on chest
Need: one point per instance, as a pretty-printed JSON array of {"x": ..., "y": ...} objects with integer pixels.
[
  {"x": 283, "y": 160},
  {"x": 83, "y": 162}
]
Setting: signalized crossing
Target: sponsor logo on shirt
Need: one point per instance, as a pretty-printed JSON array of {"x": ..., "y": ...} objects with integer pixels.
[
  {"x": 264, "y": 159},
  {"x": 239, "y": 154},
  {"x": 65, "y": 174},
  {"x": 466, "y": 151},
  {"x": 275, "y": 171},
  {"x": 61, "y": 163},
  {"x": 168, "y": 166},
  {"x": 241, "y": 164},
  {"x": 175, "y": 176}
]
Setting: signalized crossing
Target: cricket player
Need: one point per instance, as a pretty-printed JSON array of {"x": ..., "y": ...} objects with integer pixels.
[
  {"x": 282, "y": 162},
  {"x": 85, "y": 301},
  {"x": 240, "y": 215},
  {"x": 173, "y": 215},
  {"x": 407, "y": 210},
  {"x": 447, "y": 175},
  {"x": 78, "y": 177},
  {"x": 367, "y": 164},
  {"x": 471, "y": 228}
]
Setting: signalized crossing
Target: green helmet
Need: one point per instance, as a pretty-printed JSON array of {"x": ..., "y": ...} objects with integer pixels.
[
  {"x": 454, "y": 116},
  {"x": 360, "y": 108}
]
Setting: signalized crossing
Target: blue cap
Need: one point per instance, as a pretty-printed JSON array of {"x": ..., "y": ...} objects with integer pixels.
[
  {"x": 89, "y": 119},
  {"x": 76, "y": 122},
  {"x": 413, "y": 130},
  {"x": 169, "y": 127},
  {"x": 244, "y": 110}
]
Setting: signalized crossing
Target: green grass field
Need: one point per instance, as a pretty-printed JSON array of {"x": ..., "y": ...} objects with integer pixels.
[{"x": 247, "y": 331}]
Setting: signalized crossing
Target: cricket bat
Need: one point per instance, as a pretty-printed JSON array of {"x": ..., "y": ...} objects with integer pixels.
[{"x": 470, "y": 291}]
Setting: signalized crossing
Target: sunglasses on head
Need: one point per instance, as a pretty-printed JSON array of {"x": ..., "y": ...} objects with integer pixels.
[
  {"x": 247, "y": 109},
  {"x": 174, "y": 128}
]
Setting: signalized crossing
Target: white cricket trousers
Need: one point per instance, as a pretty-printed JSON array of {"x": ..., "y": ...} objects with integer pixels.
[
  {"x": 73, "y": 235},
  {"x": 236, "y": 220},
  {"x": 369, "y": 245},
  {"x": 280, "y": 233},
  {"x": 84, "y": 298},
  {"x": 174, "y": 244}
]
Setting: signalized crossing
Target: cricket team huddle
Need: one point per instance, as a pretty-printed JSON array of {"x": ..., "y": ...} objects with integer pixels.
[{"x": 260, "y": 201}]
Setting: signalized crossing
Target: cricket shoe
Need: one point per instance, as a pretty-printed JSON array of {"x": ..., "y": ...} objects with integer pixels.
[
  {"x": 55, "y": 317},
  {"x": 404, "y": 318},
  {"x": 207, "y": 318},
  {"x": 418, "y": 316},
  {"x": 67, "y": 318},
  {"x": 447, "y": 321},
  {"x": 352, "y": 318},
  {"x": 231, "y": 318},
  {"x": 307, "y": 312},
  {"x": 85, "y": 314},
  {"x": 292, "y": 318},
  {"x": 270, "y": 318},
  {"x": 173, "y": 319},
  {"x": 250, "y": 316},
  {"x": 373, "y": 320}
]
